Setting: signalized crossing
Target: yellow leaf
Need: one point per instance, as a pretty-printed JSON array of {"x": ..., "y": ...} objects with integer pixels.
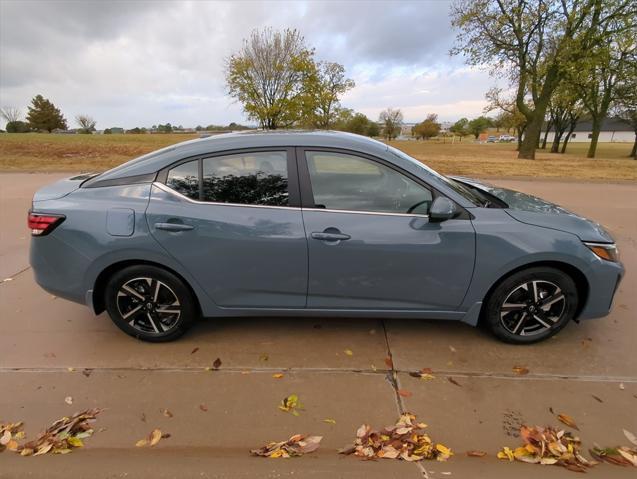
[
  {"x": 427, "y": 377},
  {"x": 506, "y": 453},
  {"x": 75, "y": 442},
  {"x": 70, "y": 369},
  {"x": 277, "y": 375},
  {"x": 155, "y": 436},
  {"x": 278, "y": 453},
  {"x": 444, "y": 450},
  {"x": 349, "y": 352},
  {"x": 329, "y": 421},
  {"x": 141, "y": 443}
]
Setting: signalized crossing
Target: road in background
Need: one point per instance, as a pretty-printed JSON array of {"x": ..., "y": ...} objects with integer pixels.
[{"x": 51, "y": 349}]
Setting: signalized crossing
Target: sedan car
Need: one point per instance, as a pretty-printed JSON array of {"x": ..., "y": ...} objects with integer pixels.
[{"x": 314, "y": 224}]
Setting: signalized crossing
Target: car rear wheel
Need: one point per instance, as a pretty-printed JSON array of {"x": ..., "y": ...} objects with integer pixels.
[
  {"x": 150, "y": 303},
  {"x": 531, "y": 305}
]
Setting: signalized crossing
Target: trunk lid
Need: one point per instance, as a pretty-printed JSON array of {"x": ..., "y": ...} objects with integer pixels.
[{"x": 61, "y": 188}]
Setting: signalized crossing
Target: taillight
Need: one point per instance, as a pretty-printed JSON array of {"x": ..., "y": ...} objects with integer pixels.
[{"x": 43, "y": 224}]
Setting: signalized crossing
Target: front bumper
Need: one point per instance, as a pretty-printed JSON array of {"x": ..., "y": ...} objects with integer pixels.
[{"x": 603, "y": 284}]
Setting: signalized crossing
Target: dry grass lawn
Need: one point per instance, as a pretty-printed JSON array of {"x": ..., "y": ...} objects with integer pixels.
[{"x": 74, "y": 153}]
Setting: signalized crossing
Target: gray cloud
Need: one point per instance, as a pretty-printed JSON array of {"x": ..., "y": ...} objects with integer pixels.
[{"x": 140, "y": 63}]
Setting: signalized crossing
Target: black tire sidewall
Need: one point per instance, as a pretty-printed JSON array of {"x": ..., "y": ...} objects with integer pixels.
[
  {"x": 499, "y": 294},
  {"x": 189, "y": 311}
]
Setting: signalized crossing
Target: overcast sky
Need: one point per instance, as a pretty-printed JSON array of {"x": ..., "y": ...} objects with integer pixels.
[{"x": 141, "y": 63}]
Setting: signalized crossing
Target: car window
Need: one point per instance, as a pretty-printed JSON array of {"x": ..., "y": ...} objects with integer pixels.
[
  {"x": 347, "y": 182},
  {"x": 185, "y": 179},
  {"x": 256, "y": 178}
]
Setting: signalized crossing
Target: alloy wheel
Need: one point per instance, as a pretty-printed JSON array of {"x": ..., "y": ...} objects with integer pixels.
[
  {"x": 532, "y": 308},
  {"x": 148, "y": 305}
]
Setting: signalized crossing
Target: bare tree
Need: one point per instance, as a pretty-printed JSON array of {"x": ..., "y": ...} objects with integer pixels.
[
  {"x": 10, "y": 114},
  {"x": 392, "y": 120},
  {"x": 87, "y": 124}
]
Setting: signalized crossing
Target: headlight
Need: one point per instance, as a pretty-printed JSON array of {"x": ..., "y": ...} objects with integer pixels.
[{"x": 606, "y": 251}]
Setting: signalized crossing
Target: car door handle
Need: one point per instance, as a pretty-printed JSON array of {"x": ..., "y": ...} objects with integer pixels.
[
  {"x": 173, "y": 227},
  {"x": 330, "y": 236}
]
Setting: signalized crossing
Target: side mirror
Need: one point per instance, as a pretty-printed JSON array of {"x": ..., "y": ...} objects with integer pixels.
[{"x": 442, "y": 209}]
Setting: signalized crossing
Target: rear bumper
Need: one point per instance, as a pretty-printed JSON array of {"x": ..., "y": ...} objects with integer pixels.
[{"x": 603, "y": 282}]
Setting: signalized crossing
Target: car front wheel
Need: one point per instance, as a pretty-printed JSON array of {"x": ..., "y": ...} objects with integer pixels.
[
  {"x": 150, "y": 303},
  {"x": 531, "y": 305}
]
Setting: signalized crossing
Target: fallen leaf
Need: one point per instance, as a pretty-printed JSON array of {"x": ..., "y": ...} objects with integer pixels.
[
  {"x": 143, "y": 417},
  {"x": 329, "y": 421},
  {"x": 389, "y": 362},
  {"x": 203, "y": 407},
  {"x": 87, "y": 372},
  {"x": 520, "y": 370},
  {"x": 155, "y": 436},
  {"x": 70, "y": 369},
  {"x": 454, "y": 382},
  {"x": 291, "y": 404},
  {"x": 349, "y": 352},
  {"x": 297, "y": 445},
  {"x": 217, "y": 363},
  {"x": 264, "y": 357},
  {"x": 68, "y": 400},
  {"x": 166, "y": 412},
  {"x": 142, "y": 443},
  {"x": 597, "y": 398},
  {"x": 277, "y": 375},
  {"x": 568, "y": 420},
  {"x": 452, "y": 349},
  {"x": 404, "y": 440},
  {"x": 621, "y": 386},
  {"x": 404, "y": 393},
  {"x": 194, "y": 350},
  {"x": 476, "y": 453}
]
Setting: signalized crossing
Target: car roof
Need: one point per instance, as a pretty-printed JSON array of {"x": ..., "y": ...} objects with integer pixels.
[{"x": 160, "y": 159}]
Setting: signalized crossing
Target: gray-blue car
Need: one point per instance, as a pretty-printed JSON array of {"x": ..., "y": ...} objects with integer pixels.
[{"x": 314, "y": 224}]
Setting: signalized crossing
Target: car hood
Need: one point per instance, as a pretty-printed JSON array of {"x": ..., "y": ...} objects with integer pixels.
[{"x": 536, "y": 211}]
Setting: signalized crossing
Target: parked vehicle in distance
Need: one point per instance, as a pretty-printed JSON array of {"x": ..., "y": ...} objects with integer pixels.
[
  {"x": 506, "y": 138},
  {"x": 491, "y": 139},
  {"x": 316, "y": 224}
]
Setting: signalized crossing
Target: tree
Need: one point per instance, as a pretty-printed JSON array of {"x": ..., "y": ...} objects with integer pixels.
[
  {"x": 267, "y": 76},
  {"x": 535, "y": 43},
  {"x": 392, "y": 120},
  {"x": 478, "y": 125},
  {"x": 460, "y": 128},
  {"x": 625, "y": 106},
  {"x": 373, "y": 129},
  {"x": 43, "y": 115},
  {"x": 12, "y": 117},
  {"x": 512, "y": 118},
  {"x": 596, "y": 79},
  {"x": 427, "y": 128},
  {"x": 565, "y": 110},
  {"x": 323, "y": 89},
  {"x": 87, "y": 124}
]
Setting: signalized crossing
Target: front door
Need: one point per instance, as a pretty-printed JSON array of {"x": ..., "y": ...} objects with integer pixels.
[
  {"x": 230, "y": 221},
  {"x": 371, "y": 244}
]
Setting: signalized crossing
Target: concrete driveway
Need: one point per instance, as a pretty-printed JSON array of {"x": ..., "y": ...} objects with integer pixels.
[{"x": 51, "y": 349}]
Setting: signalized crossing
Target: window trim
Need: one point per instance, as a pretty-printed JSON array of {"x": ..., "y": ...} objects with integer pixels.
[
  {"x": 294, "y": 196},
  {"x": 307, "y": 194}
]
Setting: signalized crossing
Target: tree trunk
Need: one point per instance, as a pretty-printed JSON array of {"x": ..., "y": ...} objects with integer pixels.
[
  {"x": 592, "y": 148},
  {"x": 633, "y": 153},
  {"x": 568, "y": 137},
  {"x": 556, "y": 141},
  {"x": 531, "y": 136},
  {"x": 546, "y": 135}
]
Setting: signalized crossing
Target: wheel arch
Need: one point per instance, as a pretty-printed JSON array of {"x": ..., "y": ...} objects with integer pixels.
[
  {"x": 99, "y": 286},
  {"x": 581, "y": 283}
]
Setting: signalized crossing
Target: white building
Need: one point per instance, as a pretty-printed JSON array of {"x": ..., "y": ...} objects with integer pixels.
[{"x": 613, "y": 131}]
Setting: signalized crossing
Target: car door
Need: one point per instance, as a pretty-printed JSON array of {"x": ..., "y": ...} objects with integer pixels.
[
  {"x": 371, "y": 244},
  {"x": 233, "y": 220}
]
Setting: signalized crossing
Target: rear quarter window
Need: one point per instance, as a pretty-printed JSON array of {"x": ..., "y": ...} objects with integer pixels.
[{"x": 185, "y": 179}]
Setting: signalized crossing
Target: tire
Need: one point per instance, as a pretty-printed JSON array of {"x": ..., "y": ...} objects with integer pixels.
[
  {"x": 531, "y": 305},
  {"x": 150, "y": 303}
]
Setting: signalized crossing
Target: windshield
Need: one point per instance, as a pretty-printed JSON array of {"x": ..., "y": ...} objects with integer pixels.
[{"x": 456, "y": 186}]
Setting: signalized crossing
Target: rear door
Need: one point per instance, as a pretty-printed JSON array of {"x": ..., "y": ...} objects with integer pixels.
[
  {"x": 234, "y": 222},
  {"x": 371, "y": 244}
]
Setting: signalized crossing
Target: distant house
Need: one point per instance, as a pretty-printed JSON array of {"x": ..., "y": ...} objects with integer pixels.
[
  {"x": 613, "y": 131},
  {"x": 116, "y": 129}
]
